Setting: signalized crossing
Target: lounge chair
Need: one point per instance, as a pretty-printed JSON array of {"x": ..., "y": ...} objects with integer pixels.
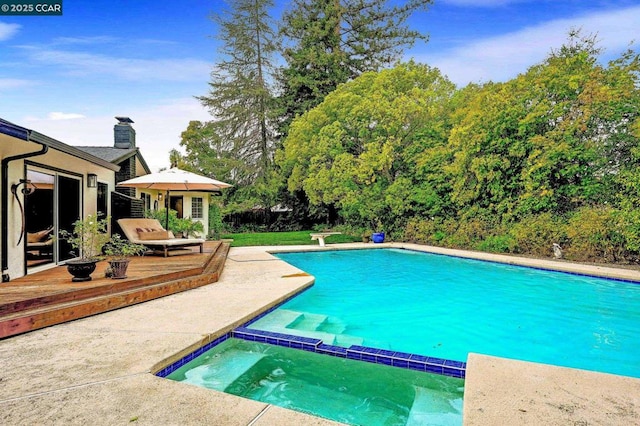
[
  {"x": 40, "y": 243},
  {"x": 150, "y": 233}
]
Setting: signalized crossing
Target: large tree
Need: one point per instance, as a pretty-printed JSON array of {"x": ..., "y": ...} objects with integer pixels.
[
  {"x": 365, "y": 147},
  {"x": 333, "y": 41},
  {"x": 240, "y": 92},
  {"x": 549, "y": 140}
]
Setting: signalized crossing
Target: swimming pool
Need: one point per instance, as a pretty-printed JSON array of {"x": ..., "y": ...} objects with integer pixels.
[
  {"x": 340, "y": 389},
  {"x": 446, "y": 307}
]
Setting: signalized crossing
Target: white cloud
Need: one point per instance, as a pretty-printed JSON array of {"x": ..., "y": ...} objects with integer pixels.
[
  {"x": 8, "y": 30},
  {"x": 90, "y": 64},
  {"x": 482, "y": 3},
  {"x": 13, "y": 83},
  {"x": 63, "y": 116},
  {"x": 503, "y": 57},
  {"x": 158, "y": 128},
  {"x": 84, "y": 40}
]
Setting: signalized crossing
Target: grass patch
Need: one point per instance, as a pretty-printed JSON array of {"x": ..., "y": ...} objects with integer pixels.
[{"x": 283, "y": 239}]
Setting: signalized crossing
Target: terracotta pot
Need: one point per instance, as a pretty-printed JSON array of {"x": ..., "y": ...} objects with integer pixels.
[
  {"x": 81, "y": 269},
  {"x": 119, "y": 268}
]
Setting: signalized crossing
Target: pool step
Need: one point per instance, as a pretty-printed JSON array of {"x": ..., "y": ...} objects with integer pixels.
[
  {"x": 329, "y": 329},
  {"x": 302, "y": 321},
  {"x": 346, "y": 341},
  {"x": 431, "y": 406},
  {"x": 327, "y": 338},
  {"x": 280, "y": 318},
  {"x": 331, "y": 400},
  {"x": 308, "y": 321},
  {"x": 332, "y": 325},
  {"x": 227, "y": 368}
]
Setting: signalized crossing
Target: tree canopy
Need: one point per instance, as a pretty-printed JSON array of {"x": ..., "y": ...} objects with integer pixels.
[
  {"x": 549, "y": 156},
  {"x": 240, "y": 95},
  {"x": 362, "y": 148},
  {"x": 329, "y": 42}
]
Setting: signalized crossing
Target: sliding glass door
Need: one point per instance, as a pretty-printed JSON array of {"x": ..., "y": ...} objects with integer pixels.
[
  {"x": 53, "y": 202},
  {"x": 39, "y": 218},
  {"x": 68, "y": 210}
]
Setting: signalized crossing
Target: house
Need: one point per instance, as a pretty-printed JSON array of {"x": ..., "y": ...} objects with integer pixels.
[
  {"x": 46, "y": 185},
  {"x": 124, "y": 153}
]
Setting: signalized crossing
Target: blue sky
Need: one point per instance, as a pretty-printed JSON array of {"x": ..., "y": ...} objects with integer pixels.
[{"x": 69, "y": 76}]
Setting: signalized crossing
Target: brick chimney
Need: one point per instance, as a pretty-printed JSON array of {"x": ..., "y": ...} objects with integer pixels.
[
  {"x": 123, "y": 134},
  {"x": 124, "y": 137}
]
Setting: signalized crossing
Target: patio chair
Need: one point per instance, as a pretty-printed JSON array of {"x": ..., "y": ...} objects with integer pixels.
[
  {"x": 40, "y": 243},
  {"x": 150, "y": 233}
]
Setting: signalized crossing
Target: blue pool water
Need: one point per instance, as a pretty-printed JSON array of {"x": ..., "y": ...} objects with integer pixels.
[{"x": 446, "y": 307}]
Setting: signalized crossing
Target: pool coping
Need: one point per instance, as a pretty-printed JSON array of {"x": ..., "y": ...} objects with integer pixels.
[
  {"x": 109, "y": 360},
  {"x": 556, "y": 265}
]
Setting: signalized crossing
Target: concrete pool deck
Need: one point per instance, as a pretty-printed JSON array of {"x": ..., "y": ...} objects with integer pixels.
[{"x": 98, "y": 370}]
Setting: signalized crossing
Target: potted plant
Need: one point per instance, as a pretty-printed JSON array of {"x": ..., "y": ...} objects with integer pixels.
[
  {"x": 118, "y": 251},
  {"x": 88, "y": 237},
  {"x": 188, "y": 227},
  {"x": 378, "y": 237}
]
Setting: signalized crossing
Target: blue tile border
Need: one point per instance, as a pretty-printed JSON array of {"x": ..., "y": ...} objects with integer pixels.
[
  {"x": 359, "y": 353},
  {"x": 193, "y": 355}
]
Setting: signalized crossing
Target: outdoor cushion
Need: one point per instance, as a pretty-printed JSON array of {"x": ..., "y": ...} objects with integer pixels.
[
  {"x": 132, "y": 230},
  {"x": 153, "y": 235},
  {"x": 36, "y": 237}
]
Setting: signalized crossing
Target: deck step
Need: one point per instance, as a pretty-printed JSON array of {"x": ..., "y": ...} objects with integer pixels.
[
  {"x": 228, "y": 367},
  {"x": 75, "y": 305}
]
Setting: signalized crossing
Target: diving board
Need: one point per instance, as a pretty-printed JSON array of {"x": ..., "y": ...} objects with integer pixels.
[{"x": 320, "y": 236}]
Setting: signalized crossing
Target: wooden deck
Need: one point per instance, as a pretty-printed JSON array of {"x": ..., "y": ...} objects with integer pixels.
[{"x": 50, "y": 297}]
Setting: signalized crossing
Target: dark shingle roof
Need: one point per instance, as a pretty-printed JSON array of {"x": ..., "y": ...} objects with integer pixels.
[
  {"x": 13, "y": 130},
  {"x": 109, "y": 153},
  {"x": 114, "y": 155}
]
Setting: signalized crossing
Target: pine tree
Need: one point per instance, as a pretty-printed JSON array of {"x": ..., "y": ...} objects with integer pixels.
[
  {"x": 334, "y": 41},
  {"x": 240, "y": 92}
]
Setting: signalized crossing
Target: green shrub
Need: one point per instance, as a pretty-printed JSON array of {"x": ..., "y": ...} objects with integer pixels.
[
  {"x": 424, "y": 231},
  {"x": 467, "y": 234},
  {"x": 176, "y": 225},
  {"x": 535, "y": 234},
  {"x": 161, "y": 216},
  {"x": 593, "y": 235},
  {"x": 216, "y": 225},
  {"x": 188, "y": 227},
  {"x": 498, "y": 244}
]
